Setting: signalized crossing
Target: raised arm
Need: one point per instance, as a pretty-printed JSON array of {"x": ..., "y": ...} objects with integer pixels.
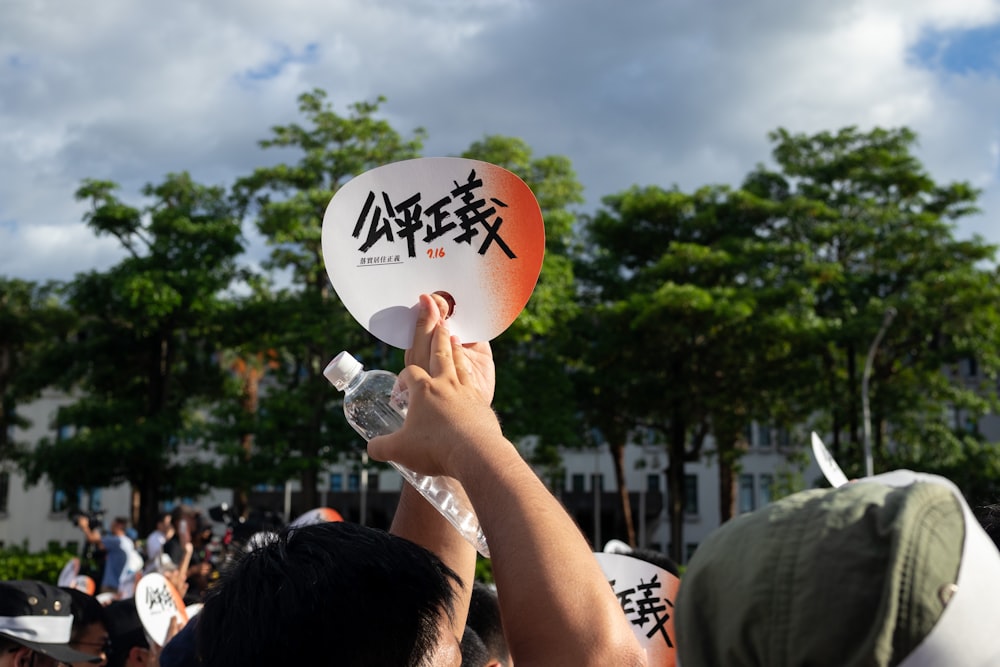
[
  {"x": 92, "y": 535},
  {"x": 556, "y": 605},
  {"x": 415, "y": 518}
]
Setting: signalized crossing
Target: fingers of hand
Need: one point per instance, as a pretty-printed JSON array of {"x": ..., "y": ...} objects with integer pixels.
[
  {"x": 441, "y": 361},
  {"x": 463, "y": 366},
  {"x": 432, "y": 309}
]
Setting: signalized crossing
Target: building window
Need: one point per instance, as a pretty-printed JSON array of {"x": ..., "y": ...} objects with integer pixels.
[
  {"x": 354, "y": 481},
  {"x": 747, "y": 501},
  {"x": 94, "y": 500},
  {"x": 765, "y": 492},
  {"x": 597, "y": 482},
  {"x": 653, "y": 482},
  {"x": 689, "y": 550},
  {"x": 259, "y": 488},
  {"x": 763, "y": 435},
  {"x": 337, "y": 481},
  {"x": 578, "y": 482},
  {"x": 60, "y": 501},
  {"x": 4, "y": 491},
  {"x": 690, "y": 494}
]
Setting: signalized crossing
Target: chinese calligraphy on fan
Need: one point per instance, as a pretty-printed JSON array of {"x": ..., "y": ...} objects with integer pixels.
[{"x": 462, "y": 216}]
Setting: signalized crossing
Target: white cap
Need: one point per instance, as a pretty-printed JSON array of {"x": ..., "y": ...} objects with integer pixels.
[{"x": 342, "y": 370}]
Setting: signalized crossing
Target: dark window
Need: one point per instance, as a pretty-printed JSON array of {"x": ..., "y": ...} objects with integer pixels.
[
  {"x": 94, "y": 500},
  {"x": 747, "y": 501},
  {"x": 337, "y": 482},
  {"x": 60, "y": 501},
  {"x": 766, "y": 483},
  {"x": 597, "y": 482},
  {"x": 690, "y": 494},
  {"x": 4, "y": 492},
  {"x": 653, "y": 482}
]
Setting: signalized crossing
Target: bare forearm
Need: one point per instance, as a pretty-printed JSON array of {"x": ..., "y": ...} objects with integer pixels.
[
  {"x": 419, "y": 522},
  {"x": 549, "y": 584}
]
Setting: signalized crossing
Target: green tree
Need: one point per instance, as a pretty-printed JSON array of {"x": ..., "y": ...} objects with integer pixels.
[
  {"x": 31, "y": 319},
  {"x": 141, "y": 365},
  {"x": 690, "y": 310},
  {"x": 300, "y": 425},
  {"x": 877, "y": 232}
]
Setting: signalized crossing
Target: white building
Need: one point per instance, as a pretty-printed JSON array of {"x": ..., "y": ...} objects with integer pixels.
[{"x": 37, "y": 517}]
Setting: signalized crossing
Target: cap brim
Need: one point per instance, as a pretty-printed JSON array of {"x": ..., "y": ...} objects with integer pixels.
[
  {"x": 965, "y": 633},
  {"x": 61, "y": 652}
]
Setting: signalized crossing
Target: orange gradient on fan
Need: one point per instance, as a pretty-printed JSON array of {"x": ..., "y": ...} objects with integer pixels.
[{"x": 513, "y": 285}]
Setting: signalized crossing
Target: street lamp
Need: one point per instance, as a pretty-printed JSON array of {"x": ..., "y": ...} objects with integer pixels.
[{"x": 890, "y": 313}]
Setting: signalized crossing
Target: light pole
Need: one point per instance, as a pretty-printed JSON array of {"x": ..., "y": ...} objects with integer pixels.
[{"x": 866, "y": 412}]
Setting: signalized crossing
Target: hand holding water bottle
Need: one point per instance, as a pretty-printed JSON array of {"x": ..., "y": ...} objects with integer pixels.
[{"x": 447, "y": 410}]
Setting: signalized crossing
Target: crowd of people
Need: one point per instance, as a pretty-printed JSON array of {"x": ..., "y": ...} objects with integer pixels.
[
  {"x": 884, "y": 571},
  {"x": 180, "y": 548}
]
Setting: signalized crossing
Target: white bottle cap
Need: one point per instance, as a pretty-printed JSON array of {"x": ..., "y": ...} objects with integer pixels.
[{"x": 342, "y": 370}]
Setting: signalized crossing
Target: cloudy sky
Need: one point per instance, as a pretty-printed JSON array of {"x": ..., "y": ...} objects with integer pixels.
[{"x": 635, "y": 92}]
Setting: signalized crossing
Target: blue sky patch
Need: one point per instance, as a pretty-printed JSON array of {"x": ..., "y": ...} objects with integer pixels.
[
  {"x": 960, "y": 51},
  {"x": 285, "y": 57}
]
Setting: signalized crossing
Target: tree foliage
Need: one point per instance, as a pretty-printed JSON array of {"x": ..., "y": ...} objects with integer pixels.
[
  {"x": 141, "y": 363},
  {"x": 32, "y": 319},
  {"x": 300, "y": 426},
  {"x": 664, "y": 315},
  {"x": 878, "y": 233}
]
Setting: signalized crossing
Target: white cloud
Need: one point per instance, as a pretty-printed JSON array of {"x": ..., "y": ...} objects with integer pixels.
[{"x": 645, "y": 92}]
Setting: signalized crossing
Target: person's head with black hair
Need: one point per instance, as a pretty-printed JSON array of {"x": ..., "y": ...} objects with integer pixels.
[
  {"x": 89, "y": 633},
  {"x": 129, "y": 646},
  {"x": 989, "y": 519},
  {"x": 484, "y": 619},
  {"x": 182, "y": 649},
  {"x": 474, "y": 651},
  {"x": 362, "y": 595},
  {"x": 657, "y": 558}
]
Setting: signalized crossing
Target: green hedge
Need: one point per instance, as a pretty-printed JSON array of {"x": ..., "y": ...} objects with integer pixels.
[{"x": 17, "y": 563}]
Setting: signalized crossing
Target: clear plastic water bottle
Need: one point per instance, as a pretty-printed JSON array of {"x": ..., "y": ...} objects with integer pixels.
[{"x": 374, "y": 406}]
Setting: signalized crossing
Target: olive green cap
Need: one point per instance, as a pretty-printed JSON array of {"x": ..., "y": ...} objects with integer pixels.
[{"x": 851, "y": 576}]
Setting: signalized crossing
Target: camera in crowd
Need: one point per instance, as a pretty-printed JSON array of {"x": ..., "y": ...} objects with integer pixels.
[
  {"x": 241, "y": 529},
  {"x": 93, "y": 518}
]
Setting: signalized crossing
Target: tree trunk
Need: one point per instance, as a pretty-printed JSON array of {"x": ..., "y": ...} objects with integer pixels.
[
  {"x": 251, "y": 393},
  {"x": 618, "y": 456},
  {"x": 853, "y": 393},
  {"x": 675, "y": 487},
  {"x": 727, "y": 489}
]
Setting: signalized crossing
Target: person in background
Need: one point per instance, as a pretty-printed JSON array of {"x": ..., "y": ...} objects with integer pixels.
[
  {"x": 90, "y": 627},
  {"x": 886, "y": 571},
  {"x": 36, "y": 624},
  {"x": 484, "y": 620},
  {"x": 989, "y": 519},
  {"x": 474, "y": 653},
  {"x": 129, "y": 646},
  {"x": 121, "y": 557},
  {"x": 156, "y": 539}
]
